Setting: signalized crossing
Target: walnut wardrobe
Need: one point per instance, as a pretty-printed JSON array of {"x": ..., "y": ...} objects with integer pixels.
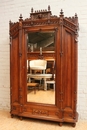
[{"x": 50, "y": 94}]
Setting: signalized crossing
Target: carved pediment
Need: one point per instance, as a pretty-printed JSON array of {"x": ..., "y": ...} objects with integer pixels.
[
  {"x": 40, "y": 14},
  {"x": 44, "y": 17}
]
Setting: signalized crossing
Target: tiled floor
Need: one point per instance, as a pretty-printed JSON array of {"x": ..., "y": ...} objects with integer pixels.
[{"x": 8, "y": 123}]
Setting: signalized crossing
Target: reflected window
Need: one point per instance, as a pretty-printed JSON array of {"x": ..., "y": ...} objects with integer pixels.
[{"x": 41, "y": 40}]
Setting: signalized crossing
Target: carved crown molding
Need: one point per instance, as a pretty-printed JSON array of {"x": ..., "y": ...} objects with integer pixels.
[
  {"x": 14, "y": 27},
  {"x": 44, "y": 17}
]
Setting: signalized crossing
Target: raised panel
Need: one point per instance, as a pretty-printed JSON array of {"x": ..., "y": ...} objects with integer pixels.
[
  {"x": 67, "y": 69},
  {"x": 51, "y": 113},
  {"x": 14, "y": 70}
]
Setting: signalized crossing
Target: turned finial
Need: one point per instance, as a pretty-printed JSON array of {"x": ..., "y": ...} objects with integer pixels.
[
  {"x": 10, "y": 22},
  {"x": 75, "y": 15},
  {"x": 61, "y": 12},
  {"x": 48, "y": 7},
  {"x": 31, "y": 10},
  {"x": 20, "y": 17}
]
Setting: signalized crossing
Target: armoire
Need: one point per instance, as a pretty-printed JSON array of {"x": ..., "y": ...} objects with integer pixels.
[{"x": 44, "y": 36}]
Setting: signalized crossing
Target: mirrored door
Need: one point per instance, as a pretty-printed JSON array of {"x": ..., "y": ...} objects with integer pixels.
[{"x": 41, "y": 67}]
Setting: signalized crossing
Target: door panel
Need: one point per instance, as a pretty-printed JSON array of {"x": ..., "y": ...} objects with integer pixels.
[{"x": 68, "y": 70}]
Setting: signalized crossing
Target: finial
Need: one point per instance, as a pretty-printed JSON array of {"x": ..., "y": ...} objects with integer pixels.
[
  {"x": 75, "y": 15},
  {"x": 20, "y": 16},
  {"x": 31, "y": 10},
  {"x": 48, "y": 7},
  {"x": 9, "y": 21},
  {"x": 61, "y": 12}
]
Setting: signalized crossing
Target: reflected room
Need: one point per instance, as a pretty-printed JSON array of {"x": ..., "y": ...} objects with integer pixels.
[{"x": 41, "y": 67}]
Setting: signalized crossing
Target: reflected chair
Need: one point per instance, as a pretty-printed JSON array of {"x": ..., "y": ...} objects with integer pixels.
[
  {"x": 52, "y": 80},
  {"x": 38, "y": 65},
  {"x": 33, "y": 85}
]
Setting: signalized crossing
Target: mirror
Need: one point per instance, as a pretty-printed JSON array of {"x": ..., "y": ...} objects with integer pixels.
[
  {"x": 41, "y": 40},
  {"x": 41, "y": 67}
]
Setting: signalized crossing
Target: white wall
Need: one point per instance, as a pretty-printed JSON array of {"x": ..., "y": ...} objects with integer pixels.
[{"x": 10, "y": 10}]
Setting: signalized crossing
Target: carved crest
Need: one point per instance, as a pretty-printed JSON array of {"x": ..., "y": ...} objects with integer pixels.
[
  {"x": 43, "y": 17},
  {"x": 40, "y": 14}
]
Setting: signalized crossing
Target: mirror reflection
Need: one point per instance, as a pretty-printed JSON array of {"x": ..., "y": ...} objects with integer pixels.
[{"x": 41, "y": 67}]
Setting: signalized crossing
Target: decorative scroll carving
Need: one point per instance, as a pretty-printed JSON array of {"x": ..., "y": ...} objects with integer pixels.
[
  {"x": 35, "y": 23},
  {"x": 40, "y": 112}
]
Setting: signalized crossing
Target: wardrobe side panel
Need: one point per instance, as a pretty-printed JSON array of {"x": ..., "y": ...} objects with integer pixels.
[
  {"x": 68, "y": 73},
  {"x": 14, "y": 64}
]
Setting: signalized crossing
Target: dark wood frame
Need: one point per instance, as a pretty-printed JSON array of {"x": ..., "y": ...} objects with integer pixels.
[{"x": 65, "y": 56}]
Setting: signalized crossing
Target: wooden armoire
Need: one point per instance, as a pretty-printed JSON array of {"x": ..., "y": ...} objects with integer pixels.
[{"x": 54, "y": 39}]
